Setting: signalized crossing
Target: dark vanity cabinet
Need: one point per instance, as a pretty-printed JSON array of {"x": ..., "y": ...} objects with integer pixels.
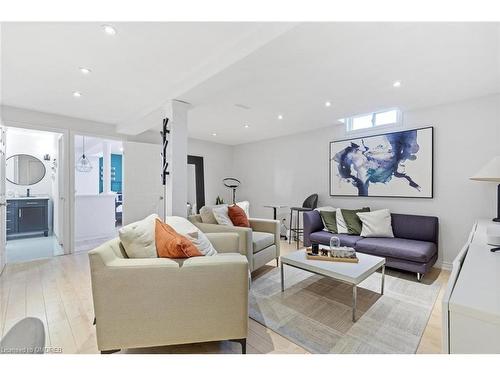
[{"x": 27, "y": 217}]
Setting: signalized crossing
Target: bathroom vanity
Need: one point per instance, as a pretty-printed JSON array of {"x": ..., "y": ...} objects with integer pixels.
[{"x": 27, "y": 216}]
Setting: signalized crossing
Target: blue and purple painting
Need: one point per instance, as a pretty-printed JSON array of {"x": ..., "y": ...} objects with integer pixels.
[{"x": 390, "y": 165}]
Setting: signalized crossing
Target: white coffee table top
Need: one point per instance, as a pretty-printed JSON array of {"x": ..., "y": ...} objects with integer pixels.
[{"x": 352, "y": 273}]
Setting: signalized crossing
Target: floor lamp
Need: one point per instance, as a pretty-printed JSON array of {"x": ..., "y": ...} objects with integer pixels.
[{"x": 232, "y": 183}]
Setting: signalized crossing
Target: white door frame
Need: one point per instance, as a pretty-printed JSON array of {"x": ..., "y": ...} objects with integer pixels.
[
  {"x": 3, "y": 201},
  {"x": 66, "y": 146}
]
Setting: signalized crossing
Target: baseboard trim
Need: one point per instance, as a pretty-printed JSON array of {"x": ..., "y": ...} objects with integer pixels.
[{"x": 446, "y": 266}]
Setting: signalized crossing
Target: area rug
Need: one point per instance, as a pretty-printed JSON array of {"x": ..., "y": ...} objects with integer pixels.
[{"x": 315, "y": 312}]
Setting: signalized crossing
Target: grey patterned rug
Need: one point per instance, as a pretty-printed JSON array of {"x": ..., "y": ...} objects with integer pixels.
[{"x": 315, "y": 312}]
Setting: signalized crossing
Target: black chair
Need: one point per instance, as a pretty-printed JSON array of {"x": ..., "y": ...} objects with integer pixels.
[{"x": 309, "y": 204}]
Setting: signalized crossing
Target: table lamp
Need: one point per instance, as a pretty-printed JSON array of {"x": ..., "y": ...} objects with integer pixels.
[{"x": 490, "y": 172}]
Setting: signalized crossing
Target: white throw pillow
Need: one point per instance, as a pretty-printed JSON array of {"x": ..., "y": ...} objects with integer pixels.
[
  {"x": 341, "y": 225},
  {"x": 196, "y": 236},
  {"x": 138, "y": 238},
  {"x": 222, "y": 217},
  {"x": 207, "y": 216},
  {"x": 245, "y": 206},
  {"x": 324, "y": 208},
  {"x": 376, "y": 223}
]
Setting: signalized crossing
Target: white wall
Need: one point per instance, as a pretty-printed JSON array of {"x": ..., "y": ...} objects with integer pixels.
[
  {"x": 287, "y": 169},
  {"x": 87, "y": 183},
  {"x": 95, "y": 216},
  {"x": 217, "y": 163}
]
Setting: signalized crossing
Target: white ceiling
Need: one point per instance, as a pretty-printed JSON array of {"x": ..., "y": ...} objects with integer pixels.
[
  {"x": 352, "y": 65},
  {"x": 95, "y": 146},
  {"x": 142, "y": 66},
  {"x": 270, "y": 68}
]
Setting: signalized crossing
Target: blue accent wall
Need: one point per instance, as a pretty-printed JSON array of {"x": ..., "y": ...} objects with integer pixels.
[{"x": 116, "y": 173}]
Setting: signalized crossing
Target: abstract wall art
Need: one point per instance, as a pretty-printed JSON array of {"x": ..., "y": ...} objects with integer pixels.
[{"x": 398, "y": 164}]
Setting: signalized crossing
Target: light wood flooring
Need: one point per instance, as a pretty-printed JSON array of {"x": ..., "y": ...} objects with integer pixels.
[{"x": 57, "y": 291}]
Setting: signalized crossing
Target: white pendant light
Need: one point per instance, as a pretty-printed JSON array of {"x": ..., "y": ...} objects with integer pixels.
[{"x": 83, "y": 164}]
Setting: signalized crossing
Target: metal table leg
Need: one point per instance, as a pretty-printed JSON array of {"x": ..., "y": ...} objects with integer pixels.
[
  {"x": 298, "y": 229},
  {"x": 282, "y": 278},
  {"x": 354, "y": 299},
  {"x": 383, "y": 277}
]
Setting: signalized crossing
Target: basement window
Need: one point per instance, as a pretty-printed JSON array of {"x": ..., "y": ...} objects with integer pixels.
[{"x": 389, "y": 117}]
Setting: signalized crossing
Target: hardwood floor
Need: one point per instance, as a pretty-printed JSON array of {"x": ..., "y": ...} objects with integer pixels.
[{"x": 57, "y": 290}]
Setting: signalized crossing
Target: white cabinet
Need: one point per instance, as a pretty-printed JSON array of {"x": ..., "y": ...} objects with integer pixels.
[{"x": 471, "y": 304}]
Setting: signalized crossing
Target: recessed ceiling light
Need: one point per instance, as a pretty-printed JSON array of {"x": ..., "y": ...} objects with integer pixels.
[
  {"x": 247, "y": 126},
  {"x": 77, "y": 94},
  {"x": 214, "y": 134},
  {"x": 280, "y": 117},
  {"x": 328, "y": 104},
  {"x": 84, "y": 70},
  {"x": 397, "y": 84},
  {"x": 108, "y": 29}
]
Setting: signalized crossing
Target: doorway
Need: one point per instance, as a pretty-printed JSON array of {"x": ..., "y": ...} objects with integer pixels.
[
  {"x": 195, "y": 184},
  {"x": 98, "y": 198},
  {"x": 34, "y": 191}
]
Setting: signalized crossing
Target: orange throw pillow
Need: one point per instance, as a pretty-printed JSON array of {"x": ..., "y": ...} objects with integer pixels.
[
  {"x": 170, "y": 244},
  {"x": 238, "y": 216}
]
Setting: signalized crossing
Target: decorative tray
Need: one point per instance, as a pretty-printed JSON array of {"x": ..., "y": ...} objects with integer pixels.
[{"x": 330, "y": 258}]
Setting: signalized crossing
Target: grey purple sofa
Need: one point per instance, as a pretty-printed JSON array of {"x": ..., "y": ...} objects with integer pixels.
[{"x": 414, "y": 247}]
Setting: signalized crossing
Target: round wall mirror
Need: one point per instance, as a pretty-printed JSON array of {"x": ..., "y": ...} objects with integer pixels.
[{"x": 24, "y": 169}]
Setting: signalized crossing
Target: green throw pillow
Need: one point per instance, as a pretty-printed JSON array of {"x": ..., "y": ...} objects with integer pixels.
[
  {"x": 352, "y": 220},
  {"x": 330, "y": 220}
]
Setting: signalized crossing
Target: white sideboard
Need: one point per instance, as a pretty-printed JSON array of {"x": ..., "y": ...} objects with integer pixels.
[{"x": 471, "y": 303}]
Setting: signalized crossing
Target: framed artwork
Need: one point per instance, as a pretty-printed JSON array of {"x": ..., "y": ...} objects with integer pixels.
[{"x": 398, "y": 164}]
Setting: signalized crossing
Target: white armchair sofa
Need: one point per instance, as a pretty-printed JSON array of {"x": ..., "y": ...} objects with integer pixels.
[
  {"x": 159, "y": 301},
  {"x": 260, "y": 243}
]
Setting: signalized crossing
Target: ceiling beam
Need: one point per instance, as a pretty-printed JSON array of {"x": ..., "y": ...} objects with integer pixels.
[{"x": 226, "y": 56}]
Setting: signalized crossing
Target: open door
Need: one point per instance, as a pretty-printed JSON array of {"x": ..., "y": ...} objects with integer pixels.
[
  {"x": 143, "y": 192},
  {"x": 3, "y": 202},
  {"x": 60, "y": 225}
]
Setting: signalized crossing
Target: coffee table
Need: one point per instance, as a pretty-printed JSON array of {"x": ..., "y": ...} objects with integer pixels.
[{"x": 350, "y": 273}]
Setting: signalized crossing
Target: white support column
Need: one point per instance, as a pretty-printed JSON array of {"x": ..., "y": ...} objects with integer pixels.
[
  {"x": 176, "y": 202},
  {"x": 106, "y": 166}
]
